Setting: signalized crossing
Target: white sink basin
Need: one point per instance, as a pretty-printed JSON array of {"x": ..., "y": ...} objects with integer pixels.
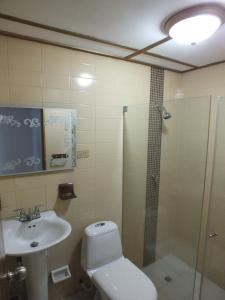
[{"x": 23, "y": 238}]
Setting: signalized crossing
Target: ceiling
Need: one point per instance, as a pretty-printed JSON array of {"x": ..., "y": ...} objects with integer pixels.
[{"x": 117, "y": 28}]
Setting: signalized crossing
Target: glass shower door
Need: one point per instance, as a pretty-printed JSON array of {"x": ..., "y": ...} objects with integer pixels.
[
  {"x": 179, "y": 208},
  {"x": 134, "y": 181},
  {"x": 167, "y": 249},
  {"x": 213, "y": 281}
]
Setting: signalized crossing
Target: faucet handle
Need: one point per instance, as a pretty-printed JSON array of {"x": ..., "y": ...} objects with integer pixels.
[
  {"x": 19, "y": 209},
  {"x": 22, "y": 214},
  {"x": 36, "y": 207},
  {"x": 37, "y": 212}
]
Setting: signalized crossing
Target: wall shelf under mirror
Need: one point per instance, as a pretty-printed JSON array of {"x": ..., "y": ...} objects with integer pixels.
[{"x": 37, "y": 140}]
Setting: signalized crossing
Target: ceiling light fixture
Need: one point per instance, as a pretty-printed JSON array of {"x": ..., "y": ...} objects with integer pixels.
[{"x": 195, "y": 24}]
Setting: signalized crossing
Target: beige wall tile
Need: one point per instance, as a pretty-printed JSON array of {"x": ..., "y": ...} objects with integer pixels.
[
  {"x": 4, "y": 76},
  {"x": 24, "y": 55},
  {"x": 85, "y": 111},
  {"x": 109, "y": 111},
  {"x": 8, "y": 204},
  {"x": 107, "y": 136},
  {"x": 172, "y": 85},
  {"x": 112, "y": 159},
  {"x": 82, "y": 69},
  {"x": 108, "y": 123},
  {"x": 30, "y": 197},
  {"x": 8, "y": 200},
  {"x": 57, "y": 178},
  {"x": 84, "y": 181},
  {"x": 85, "y": 124},
  {"x": 82, "y": 63},
  {"x": 56, "y": 77},
  {"x": 26, "y": 95},
  {"x": 83, "y": 83},
  {"x": 22, "y": 77},
  {"x": 7, "y": 185},
  {"x": 53, "y": 81},
  {"x": 82, "y": 97},
  {"x": 56, "y": 95},
  {"x": 3, "y": 52},
  {"x": 55, "y": 60},
  {"x": 4, "y": 94},
  {"x": 87, "y": 162},
  {"x": 32, "y": 181},
  {"x": 86, "y": 137},
  {"x": 108, "y": 148}
]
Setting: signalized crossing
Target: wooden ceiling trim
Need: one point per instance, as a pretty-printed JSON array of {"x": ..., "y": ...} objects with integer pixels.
[
  {"x": 170, "y": 59},
  {"x": 143, "y": 50},
  {"x": 205, "y": 66},
  {"x": 64, "y": 31},
  {"x": 91, "y": 38},
  {"x": 47, "y": 42}
]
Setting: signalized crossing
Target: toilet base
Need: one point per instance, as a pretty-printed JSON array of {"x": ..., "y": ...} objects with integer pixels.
[{"x": 99, "y": 296}]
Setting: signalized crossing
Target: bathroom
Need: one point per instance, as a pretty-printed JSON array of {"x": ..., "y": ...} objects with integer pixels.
[{"x": 112, "y": 150}]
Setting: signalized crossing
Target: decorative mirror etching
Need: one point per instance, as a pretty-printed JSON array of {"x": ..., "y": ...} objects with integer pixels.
[
  {"x": 21, "y": 147},
  {"x": 60, "y": 148},
  {"x": 36, "y": 140}
]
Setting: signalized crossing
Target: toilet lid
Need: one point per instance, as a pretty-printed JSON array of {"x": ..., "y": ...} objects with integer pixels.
[{"x": 122, "y": 280}]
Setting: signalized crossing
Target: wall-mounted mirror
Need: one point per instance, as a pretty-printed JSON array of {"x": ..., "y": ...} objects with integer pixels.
[{"x": 36, "y": 140}]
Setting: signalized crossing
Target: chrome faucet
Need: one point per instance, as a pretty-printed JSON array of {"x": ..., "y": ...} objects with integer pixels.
[{"x": 28, "y": 216}]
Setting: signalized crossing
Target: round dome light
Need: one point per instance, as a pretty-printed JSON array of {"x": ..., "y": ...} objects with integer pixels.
[{"x": 195, "y": 24}]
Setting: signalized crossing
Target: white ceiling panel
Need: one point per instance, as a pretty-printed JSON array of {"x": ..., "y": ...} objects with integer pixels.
[
  {"x": 135, "y": 23},
  {"x": 132, "y": 23},
  {"x": 63, "y": 39},
  {"x": 160, "y": 62},
  {"x": 206, "y": 52}
]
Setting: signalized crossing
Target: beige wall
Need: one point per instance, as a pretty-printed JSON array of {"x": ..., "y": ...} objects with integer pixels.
[
  {"x": 172, "y": 85},
  {"x": 34, "y": 74},
  {"x": 204, "y": 82}
]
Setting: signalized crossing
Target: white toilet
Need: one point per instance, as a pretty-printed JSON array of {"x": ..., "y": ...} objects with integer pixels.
[{"x": 114, "y": 276}]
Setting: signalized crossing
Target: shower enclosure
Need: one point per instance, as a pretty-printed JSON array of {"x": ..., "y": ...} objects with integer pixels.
[
  {"x": 213, "y": 280},
  {"x": 165, "y": 209}
]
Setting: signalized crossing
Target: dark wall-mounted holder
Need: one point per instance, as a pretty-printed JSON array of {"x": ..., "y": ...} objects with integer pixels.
[{"x": 66, "y": 191}]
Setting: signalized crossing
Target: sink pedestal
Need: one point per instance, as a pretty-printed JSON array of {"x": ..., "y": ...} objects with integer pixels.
[
  {"x": 30, "y": 240},
  {"x": 37, "y": 275}
]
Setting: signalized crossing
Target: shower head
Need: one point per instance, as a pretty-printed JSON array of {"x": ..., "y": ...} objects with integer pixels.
[{"x": 165, "y": 114}]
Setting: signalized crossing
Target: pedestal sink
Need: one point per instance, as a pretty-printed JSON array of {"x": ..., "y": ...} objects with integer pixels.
[{"x": 31, "y": 240}]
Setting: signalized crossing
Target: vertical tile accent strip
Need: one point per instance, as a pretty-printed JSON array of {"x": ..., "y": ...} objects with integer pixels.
[{"x": 153, "y": 163}]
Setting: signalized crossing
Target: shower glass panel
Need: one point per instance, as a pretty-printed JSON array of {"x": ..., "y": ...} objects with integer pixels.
[
  {"x": 213, "y": 283},
  {"x": 176, "y": 215},
  {"x": 134, "y": 181}
]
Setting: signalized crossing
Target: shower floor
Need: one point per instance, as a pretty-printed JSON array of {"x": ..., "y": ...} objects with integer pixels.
[{"x": 174, "y": 280}]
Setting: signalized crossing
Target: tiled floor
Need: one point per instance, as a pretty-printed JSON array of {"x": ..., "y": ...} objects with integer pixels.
[
  {"x": 79, "y": 296},
  {"x": 174, "y": 280}
]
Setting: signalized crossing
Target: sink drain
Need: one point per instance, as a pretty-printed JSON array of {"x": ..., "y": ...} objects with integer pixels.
[
  {"x": 168, "y": 278},
  {"x": 34, "y": 244}
]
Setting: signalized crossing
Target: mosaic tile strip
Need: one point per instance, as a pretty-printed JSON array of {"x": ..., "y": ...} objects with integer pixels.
[{"x": 153, "y": 163}]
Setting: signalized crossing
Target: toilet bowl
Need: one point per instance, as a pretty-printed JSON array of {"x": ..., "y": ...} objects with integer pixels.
[{"x": 114, "y": 276}]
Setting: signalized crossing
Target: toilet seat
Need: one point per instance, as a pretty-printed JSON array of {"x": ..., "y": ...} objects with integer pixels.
[{"x": 122, "y": 280}]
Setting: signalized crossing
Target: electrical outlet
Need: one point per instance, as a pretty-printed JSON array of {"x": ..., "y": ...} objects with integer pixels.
[{"x": 83, "y": 154}]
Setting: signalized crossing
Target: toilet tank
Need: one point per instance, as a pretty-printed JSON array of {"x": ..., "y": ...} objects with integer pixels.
[{"x": 101, "y": 245}]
